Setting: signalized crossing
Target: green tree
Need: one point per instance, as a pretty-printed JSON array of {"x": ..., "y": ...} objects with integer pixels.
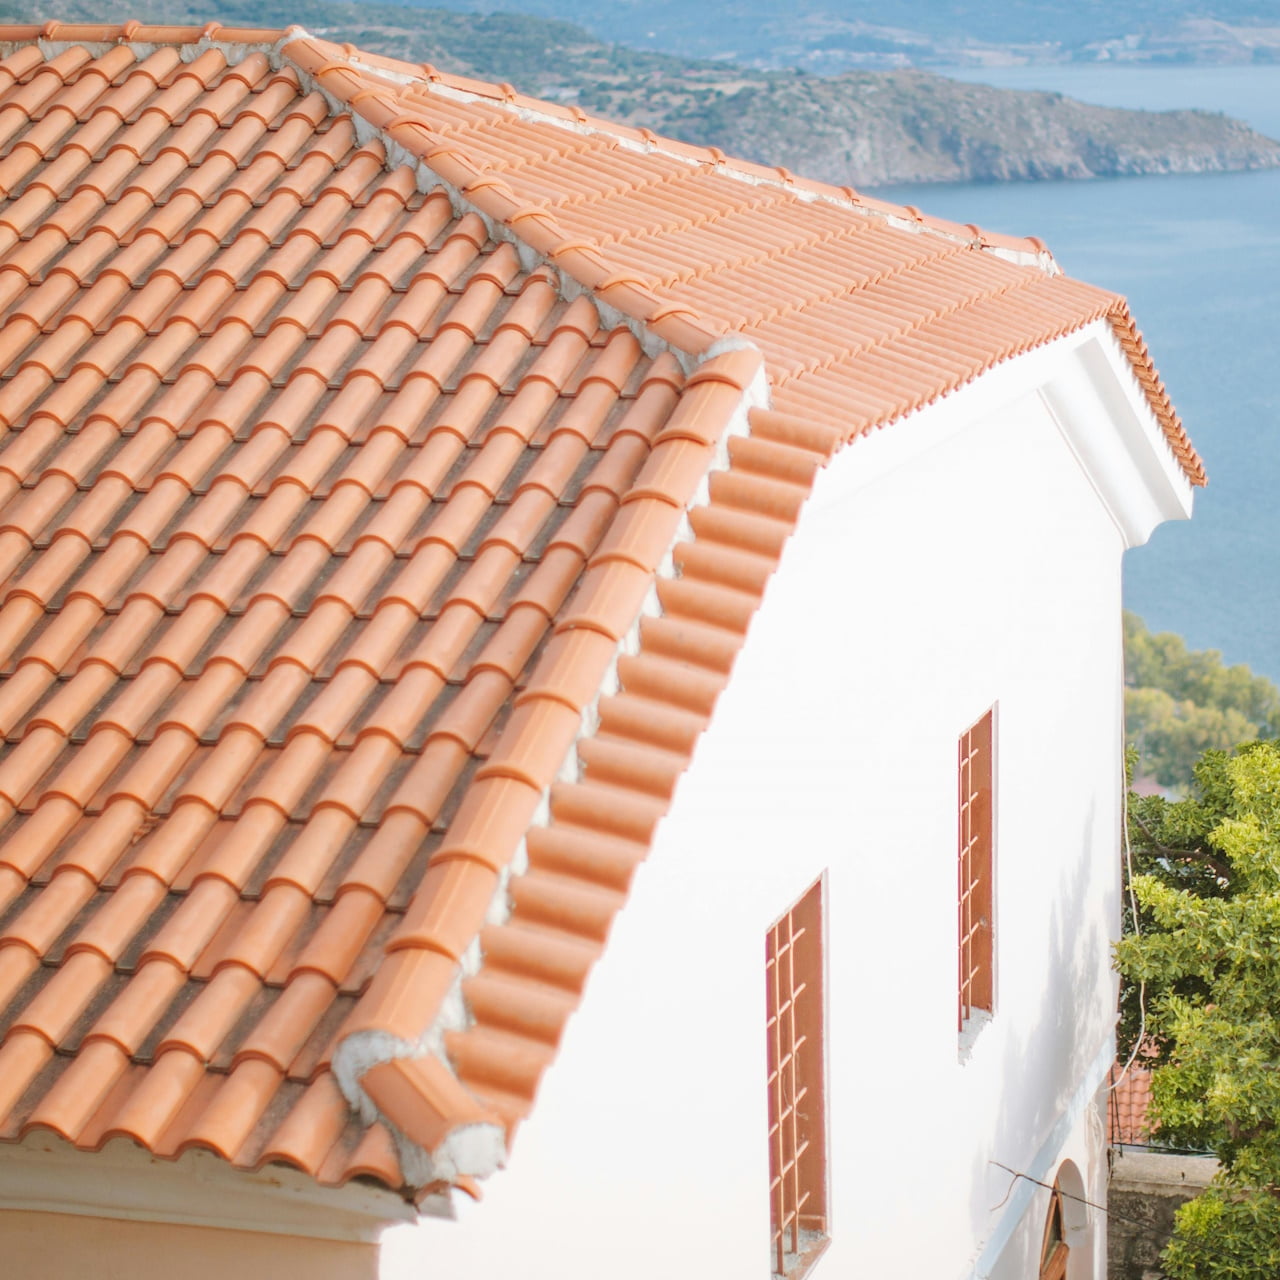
[
  {"x": 1207, "y": 959},
  {"x": 1180, "y": 703}
]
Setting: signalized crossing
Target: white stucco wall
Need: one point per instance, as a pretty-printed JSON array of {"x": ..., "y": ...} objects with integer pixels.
[{"x": 959, "y": 560}]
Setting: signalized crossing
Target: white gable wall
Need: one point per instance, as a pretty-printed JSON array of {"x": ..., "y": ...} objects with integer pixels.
[{"x": 961, "y": 559}]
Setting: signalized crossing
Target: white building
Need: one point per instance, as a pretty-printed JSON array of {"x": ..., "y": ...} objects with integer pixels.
[
  {"x": 966, "y": 560},
  {"x": 340, "y": 881}
]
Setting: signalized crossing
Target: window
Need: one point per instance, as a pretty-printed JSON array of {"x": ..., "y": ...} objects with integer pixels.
[
  {"x": 1054, "y": 1251},
  {"x": 794, "y": 967},
  {"x": 976, "y": 989}
]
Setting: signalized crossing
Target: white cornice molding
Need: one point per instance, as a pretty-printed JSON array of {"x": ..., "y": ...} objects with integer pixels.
[
  {"x": 1108, "y": 424},
  {"x": 46, "y": 1174},
  {"x": 1087, "y": 385}
]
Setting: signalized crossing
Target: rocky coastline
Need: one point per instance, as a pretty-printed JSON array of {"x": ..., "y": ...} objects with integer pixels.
[
  {"x": 860, "y": 128},
  {"x": 869, "y": 129}
]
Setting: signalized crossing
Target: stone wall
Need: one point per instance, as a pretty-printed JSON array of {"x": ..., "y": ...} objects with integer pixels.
[{"x": 1145, "y": 1191}]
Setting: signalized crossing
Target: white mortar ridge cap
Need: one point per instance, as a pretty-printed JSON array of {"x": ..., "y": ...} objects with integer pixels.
[
  {"x": 235, "y": 51},
  {"x": 1043, "y": 260}
]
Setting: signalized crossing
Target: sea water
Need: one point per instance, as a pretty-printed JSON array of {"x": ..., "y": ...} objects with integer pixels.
[{"x": 1199, "y": 259}]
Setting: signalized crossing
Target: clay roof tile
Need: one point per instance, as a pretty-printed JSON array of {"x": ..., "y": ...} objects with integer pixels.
[{"x": 331, "y": 502}]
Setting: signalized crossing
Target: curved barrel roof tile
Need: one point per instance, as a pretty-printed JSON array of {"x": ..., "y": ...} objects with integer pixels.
[{"x": 390, "y": 469}]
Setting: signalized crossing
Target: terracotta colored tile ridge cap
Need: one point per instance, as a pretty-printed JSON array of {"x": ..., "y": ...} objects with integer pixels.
[
  {"x": 52, "y": 37},
  {"x": 425, "y": 78},
  {"x": 1135, "y": 349},
  {"x": 401, "y": 1074}
]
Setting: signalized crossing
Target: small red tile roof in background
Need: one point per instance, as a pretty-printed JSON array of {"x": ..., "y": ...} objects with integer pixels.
[
  {"x": 323, "y": 515},
  {"x": 1127, "y": 1103}
]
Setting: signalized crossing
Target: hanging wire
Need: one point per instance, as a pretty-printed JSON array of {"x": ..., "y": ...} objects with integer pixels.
[
  {"x": 1144, "y": 1225},
  {"x": 1137, "y": 927}
]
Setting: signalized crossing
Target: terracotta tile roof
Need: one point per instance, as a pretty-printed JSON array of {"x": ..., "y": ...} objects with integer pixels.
[
  {"x": 860, "y": 317},
  {"x": 385, "y": 492},
  {"x": 1127, "y": 1103}
]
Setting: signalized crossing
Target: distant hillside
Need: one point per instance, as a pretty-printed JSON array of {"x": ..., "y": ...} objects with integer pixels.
[
  {"x": 1179, "y": 703},
  {"x": 834, "y": 35},
  {"x": 870, "y": 128},
  {"x": 862, "y": 128}
]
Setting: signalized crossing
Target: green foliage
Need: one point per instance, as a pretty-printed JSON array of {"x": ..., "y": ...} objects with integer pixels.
[
  {"x": 1222, "y": 1235},
  {"x": 1163, "y": 661},
  {"x": 1207, "y": 888},
  {"x": 1180, "y": 703}
]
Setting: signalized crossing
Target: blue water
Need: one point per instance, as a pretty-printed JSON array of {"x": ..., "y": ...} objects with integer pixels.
[{"x": 1199, "y": 258}]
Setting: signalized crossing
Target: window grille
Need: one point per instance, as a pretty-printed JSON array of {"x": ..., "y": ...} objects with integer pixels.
[
  {"x": 794, "y": 966},
  {"x": 976, "y": 898}
]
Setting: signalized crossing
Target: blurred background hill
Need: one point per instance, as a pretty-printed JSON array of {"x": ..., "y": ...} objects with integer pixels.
[{"x": 862, "y": 128}]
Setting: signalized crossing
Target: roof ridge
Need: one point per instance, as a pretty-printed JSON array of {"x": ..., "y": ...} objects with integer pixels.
[
  {"x": 504, "y": 94},
  {"x": 135, "y": 32},
  {"x": 679, "y": 330},
  {"x": 429, "y": 80}
]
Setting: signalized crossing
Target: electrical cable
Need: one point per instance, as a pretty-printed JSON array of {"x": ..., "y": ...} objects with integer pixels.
[
  {"x": 1143, "y": 1225},
  {"x": 1066, "y": 1195},
  {"x": 1079, "y": 1200},
  {"x": 1137, "y": 927}
]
